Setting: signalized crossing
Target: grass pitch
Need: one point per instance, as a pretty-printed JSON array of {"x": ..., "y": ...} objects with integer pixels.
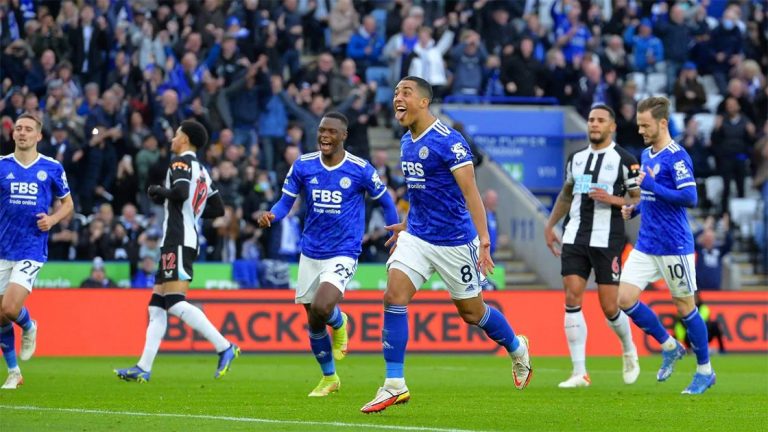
[{"x": 269, "y": 392}]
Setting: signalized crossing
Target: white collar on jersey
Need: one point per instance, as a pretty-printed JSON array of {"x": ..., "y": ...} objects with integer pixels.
[
  {"x": 346, "y": 154},
  {"x": 603, "y": 150},
  {"x": 652, "y": 155},
  {"x": 25, "y": 166},
  {"x": 437, "y": 120},
  {"x": 188, "y": 152}
]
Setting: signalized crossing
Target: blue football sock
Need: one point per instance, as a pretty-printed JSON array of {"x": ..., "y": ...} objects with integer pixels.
[
  {"x": 24, "y": 320},
  {"x": 498, "y": 329},
  {"x": 321, "y": 348},
  {"x": 8, "y": 345},
  {"x": 697, "y": 334},
  {"x": 394, "y": 338},
  {"x": 647, "y": 320},
  {"x": 335, "y": 321}
]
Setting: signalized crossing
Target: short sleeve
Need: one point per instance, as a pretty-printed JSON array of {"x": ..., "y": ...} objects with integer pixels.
[
  {"x": 683, "y": 172},
  {"x": 59, "y": 180},
  {"x": 292, "y": 185},
  {"x": 372, "y": 183},
  {"x": 180, "y": 170},
  {"x": 569, "y": 170},
  {"x": 630, "y": 170},
  {"x": 458, "y": 154}
]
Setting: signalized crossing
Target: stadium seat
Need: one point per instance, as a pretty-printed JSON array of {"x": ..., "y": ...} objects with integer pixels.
[
  {"x": 714, "y": 185},
  {"x": 706, "y": 124},
  {"x": 679, "y": 119},
  {"x": 709, "y": 84},
  {"x": 743, "y": 211},
  {"x": 713, "y": 100},
  {"x": 656, "y": 83},
  {"x": 639, "y": 79}
]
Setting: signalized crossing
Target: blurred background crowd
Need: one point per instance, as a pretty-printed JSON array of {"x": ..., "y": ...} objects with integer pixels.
[{"x": 113, "y": 79}]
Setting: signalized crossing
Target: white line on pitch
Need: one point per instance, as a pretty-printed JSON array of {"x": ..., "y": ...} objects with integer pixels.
[{"x": 229, "y": 418}]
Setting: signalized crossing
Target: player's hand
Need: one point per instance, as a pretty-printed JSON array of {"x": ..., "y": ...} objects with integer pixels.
[
  {"x": 154, "y": 193},
  {"x": 600, "y": 195},
  {"x": 626, "y": 211},
  {"x": 392, "y": 241},
  {"x": 265, "y": 219},
  {"x": 44, "y": 222},
  {"x": 553, "y": 243},
  {"x": 484, "y": 261}
]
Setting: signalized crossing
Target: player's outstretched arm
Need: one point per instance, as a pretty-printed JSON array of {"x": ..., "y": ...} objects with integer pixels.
[
  {"x": 465, "y": 178},
  {"x": 561, "y": 208},
  {"x": 45, "y": 222},
  {"x": 278, "y": 211},
  {"x": 390, "y": 210}
]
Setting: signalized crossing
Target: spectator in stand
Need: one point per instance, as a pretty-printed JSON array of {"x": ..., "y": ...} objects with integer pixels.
[
  {"x": 710, "y": 254},
  {"x": 90, "y": 43},
  {"x": 647, "y": 49},
  {"x": 699, "y": 151},
  {"x": 560, "y": 77},
  {"x": 98, "y": 277},
  {"x": 366, "y": 46},
  {"x": 615, "y": 56},
  {"x": 732, "y": 140},
  {"x": 728, "y": 47},
  {"x": 63, "y": 238},
  {"x": 689, "y": 92},
  {"x": 398, "y": 49},
  {"x": 676, "y": 38},
  {"x": 492, "y": 84},
  {"x": 468, "y": 58},
  {"x": 760, "y": 182},
  {"x": 427, "y": 60},
  {"x": 246, "y": 96},
  {"x": 522, "y": 73},
  {"x": 343, "y": 21},
  {"x": 571, "y": 35},
  {"x": 272, "y": 124},
  {"x": 626, "y": 129},
  {"x": 737, "y": 90},
  {"x": 498, "y": 31}
]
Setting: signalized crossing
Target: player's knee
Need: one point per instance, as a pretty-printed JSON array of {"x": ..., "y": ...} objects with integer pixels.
[
  {"x": 9, "y": 310},
  {"x": 627, "y": 296},
  {"x": 610, "y": 310},
  {"x": 321, "y": 310},
  {"x": 395, "y": 297},
  {"x": 572, "y": 298},
  {"x": 471, "y": 317}
]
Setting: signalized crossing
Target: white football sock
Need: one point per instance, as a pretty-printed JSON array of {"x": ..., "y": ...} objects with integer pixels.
[
  {"x": 196, "y": 319},
  {"x": 394, "y": 383},
  {"x": 576, "y": 333},
  {"x": 158, "y": 322},
  {"x": 669, "y": 344},
  {"x": 705, "y": 369},
  {"x": 620, "y": 326}
]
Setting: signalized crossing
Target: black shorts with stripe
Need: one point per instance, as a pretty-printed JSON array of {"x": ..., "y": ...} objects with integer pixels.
[
  {"x": 176, "y": 263},
  {"x": 580, "y": 260}
]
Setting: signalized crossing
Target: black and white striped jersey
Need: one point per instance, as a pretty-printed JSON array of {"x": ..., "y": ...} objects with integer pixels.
[
  {"x": 592, "y": 223},
  {"x": 180, "y": 223}
]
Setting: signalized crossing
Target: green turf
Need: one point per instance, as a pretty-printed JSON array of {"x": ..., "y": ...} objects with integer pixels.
[{"x": 460, "y": 392}]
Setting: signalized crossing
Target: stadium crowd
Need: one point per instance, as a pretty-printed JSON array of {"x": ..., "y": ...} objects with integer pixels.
[{"x": 113, "y": 79}]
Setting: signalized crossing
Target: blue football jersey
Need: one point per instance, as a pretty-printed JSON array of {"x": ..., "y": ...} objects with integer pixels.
[
  {"x": 26, "y": 191},
  {"x": 335, "y": 220},
  {"x": 438, "y": 212},
  {"x": 664, "y": 227}
]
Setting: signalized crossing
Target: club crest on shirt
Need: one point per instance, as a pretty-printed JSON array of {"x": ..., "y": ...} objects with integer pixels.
[
  {"x": 656, "y": 169},
  {"x": 680, "y": 170},
  {"x": 42, "y": 175},
  {"x": 345, "y": 182},
  {"x": 424, "y": 152},
  {"x": 459, "y": 151}
]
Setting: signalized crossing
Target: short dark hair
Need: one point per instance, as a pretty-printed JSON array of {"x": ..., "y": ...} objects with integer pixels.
[
  {"x": 657, "y": 105},
  {"x": 29, "y": 115},
  {"x": 424, "y": 87},
  {"x": 338, "y": 116},
  {"x": 196, "y": 133},
  {"x": 604, "y": 107}
]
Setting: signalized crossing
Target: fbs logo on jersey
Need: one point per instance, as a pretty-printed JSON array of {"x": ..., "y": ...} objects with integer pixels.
[
  {"x": 23, "y": 188},
  {"x": 459, "y": 151}
]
